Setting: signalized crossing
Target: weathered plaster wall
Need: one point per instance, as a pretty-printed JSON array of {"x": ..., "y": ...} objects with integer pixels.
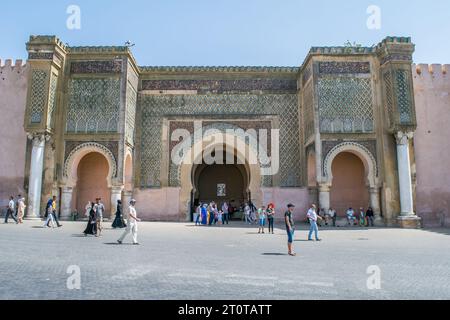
[
  {"x": 13, "y": 92},
  {"x": 432, "y": 143}
]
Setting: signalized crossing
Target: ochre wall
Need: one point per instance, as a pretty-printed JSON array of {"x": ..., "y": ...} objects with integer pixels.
[
  {"x": 13, "y": 93},
  {"x": 92, "y": 183},
  {"x": 349, "y": 184},
  {"x": 432, "y": 143}
]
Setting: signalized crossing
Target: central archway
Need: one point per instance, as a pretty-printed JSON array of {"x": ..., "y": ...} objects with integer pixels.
[
  {"x": 220, "y": 183},
  {"x": 250, "y": 170}
]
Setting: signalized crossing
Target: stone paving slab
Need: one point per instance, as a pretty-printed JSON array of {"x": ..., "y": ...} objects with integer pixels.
[{"x": 180, "y": 261}]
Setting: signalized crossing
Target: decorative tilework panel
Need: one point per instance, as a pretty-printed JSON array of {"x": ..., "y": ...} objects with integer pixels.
[
  {"x": 93, "y": 105},
  {"x": 221, "y": 86},
  {"x": 130, "y": 115},
  {"x": 38, "y": 95},
  {"x": 389, "y": 97},
  {"x": 89, "y": 67},
  {"x": 334, "y": 67},
  {"x": 155, "y": 107},
  {"x": 345, "y": 105},
  {"x": 404, "y": 99},
  {"x": 308, "y": 111},
  {"x": 52, "y": 100}
]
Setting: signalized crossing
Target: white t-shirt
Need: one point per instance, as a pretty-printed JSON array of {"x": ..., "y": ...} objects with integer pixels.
[
  {"x": 11, "y": 204},
  {"x": 131, "y": 211},
  {"x": 312, "y": 215}
]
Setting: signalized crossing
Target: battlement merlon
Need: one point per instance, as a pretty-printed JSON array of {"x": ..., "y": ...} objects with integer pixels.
[
  {"x": 428, "y": 70},
  {"x": 9, "y": 67}
]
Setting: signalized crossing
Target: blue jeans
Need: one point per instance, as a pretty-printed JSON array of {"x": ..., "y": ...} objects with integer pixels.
[
  {"x": 290, "y": 235},
  {"x": 314, "y": 229}
]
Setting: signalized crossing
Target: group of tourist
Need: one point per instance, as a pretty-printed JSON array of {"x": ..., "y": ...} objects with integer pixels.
[
  {"x": 15, "y": 209},
  {"x": 365, "y": 218},
  {"x": 94, "y": 212},
  {"x": 210, "y": 214}
]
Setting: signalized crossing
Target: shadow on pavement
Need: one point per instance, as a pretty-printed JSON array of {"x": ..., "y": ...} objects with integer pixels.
[{"x": 274, "y": 254}]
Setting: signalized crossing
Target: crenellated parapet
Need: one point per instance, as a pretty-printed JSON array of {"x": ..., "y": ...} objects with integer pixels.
[
  {"x": 8, "y": 66},
  {"x": 434, "y": 71}
]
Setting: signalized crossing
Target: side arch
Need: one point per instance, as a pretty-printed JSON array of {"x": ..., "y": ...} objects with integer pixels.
[
  {"x": 368, "y": 159},
  {"x": 77, "y": 154}
]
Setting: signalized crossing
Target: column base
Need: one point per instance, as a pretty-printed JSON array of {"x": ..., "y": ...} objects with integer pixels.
[
  {"x": 409, "y": 222},
  {"x": 379, "y": 222}
]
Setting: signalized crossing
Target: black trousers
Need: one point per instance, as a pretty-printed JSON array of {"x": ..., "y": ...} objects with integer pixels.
[
  {"x": 270, "y": 224},
  {"x": 8, "y": 213}
]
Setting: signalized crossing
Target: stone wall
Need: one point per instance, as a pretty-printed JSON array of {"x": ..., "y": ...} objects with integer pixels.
[
  {"x": 432, "y": 143},
  {"x": 13, "y": 93}
]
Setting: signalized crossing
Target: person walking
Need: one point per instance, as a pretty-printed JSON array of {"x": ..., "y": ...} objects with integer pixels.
[
  {"x": 132, "y": 225},
  {"x": 247, "y": 213},
  {"x": 99, "y": 218},
  {"x": 271, "y": 216},
  {"x": 87, "y": 209},
  {"x": 91, "y": 228},
  {"x": 261, "y": 218},
  {"x": 313, "y": 217},
  {"x": 54, "y": 214},
  {"x": 118, "y": 221},
  {"x": 49, "y": 214},
  {"x": 10, "y": 210},
  {"x": 370, "y": 217},
  {"x": 21, "y": 210},
  {"x": 290, "y": 228},
  {"x": 225, "y": 210},
  {"x": 198, "y": 214}
]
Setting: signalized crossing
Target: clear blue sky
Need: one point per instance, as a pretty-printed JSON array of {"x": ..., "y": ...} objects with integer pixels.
[{"x": 228, "y": 32}]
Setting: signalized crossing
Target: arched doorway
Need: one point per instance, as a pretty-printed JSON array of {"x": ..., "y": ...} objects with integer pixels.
[
  {"x": 92, "y": 181},
  {"x": 220, "y": 183},
  {"x": 349, "y": 187}
]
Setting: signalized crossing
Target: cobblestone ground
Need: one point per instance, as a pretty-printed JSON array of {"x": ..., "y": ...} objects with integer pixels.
[{"x": 179, "y": 261}]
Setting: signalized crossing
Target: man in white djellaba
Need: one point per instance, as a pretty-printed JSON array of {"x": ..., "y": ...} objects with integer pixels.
[{"x": 132, "y": 225}]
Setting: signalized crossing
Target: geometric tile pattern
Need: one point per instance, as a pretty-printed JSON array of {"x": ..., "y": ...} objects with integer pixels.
[
  {"x": 389, "y": 98},
  {"x": 345, "y": 105},
  {"x": 155, "y": 107},
  {"x": 308, "y": 111},
  {"x": 404, "y": 103},
  {"x": 38, "y": 95},
  {"x": 93, "y": 105},
  {"x": 130, "y": 114},
  {"x": 52, "y": 100}
]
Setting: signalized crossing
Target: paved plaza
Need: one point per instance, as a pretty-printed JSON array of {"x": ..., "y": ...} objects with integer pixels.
[{"x": 180, "y": 261}]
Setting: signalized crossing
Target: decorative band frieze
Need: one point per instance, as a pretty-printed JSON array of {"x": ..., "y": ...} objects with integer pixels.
[
  {"x": 92, "y": 67},
  {"x": 334, "y": 67},
  {"x": 220, "y": 86}
]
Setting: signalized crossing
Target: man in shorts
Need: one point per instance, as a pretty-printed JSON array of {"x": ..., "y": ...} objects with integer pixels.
[{"x": 290, "y": 228}]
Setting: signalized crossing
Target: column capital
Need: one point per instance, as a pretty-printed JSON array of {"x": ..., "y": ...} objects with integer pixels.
[
  {"x": 403, "y": 138},
  {"x": 324, "y": 187},
  {"x": 117, "y": 189},
  {"x": 38, "y": 137}
]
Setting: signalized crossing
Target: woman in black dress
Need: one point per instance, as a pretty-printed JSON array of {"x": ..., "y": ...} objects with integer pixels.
[
  {"x": 118, "y": 221},
  {"x": 92, "y": 222}
]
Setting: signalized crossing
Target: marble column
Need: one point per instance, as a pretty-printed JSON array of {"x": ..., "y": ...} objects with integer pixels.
[
  {"x": 404, "y": 173},
  {"x": 407, "y": 218},
  {"x": 36, "y": 172},
  {"x": 324, "y": 197},
  {"x": 116, "y": 194},
  {"x": 66, "y": 203}
]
